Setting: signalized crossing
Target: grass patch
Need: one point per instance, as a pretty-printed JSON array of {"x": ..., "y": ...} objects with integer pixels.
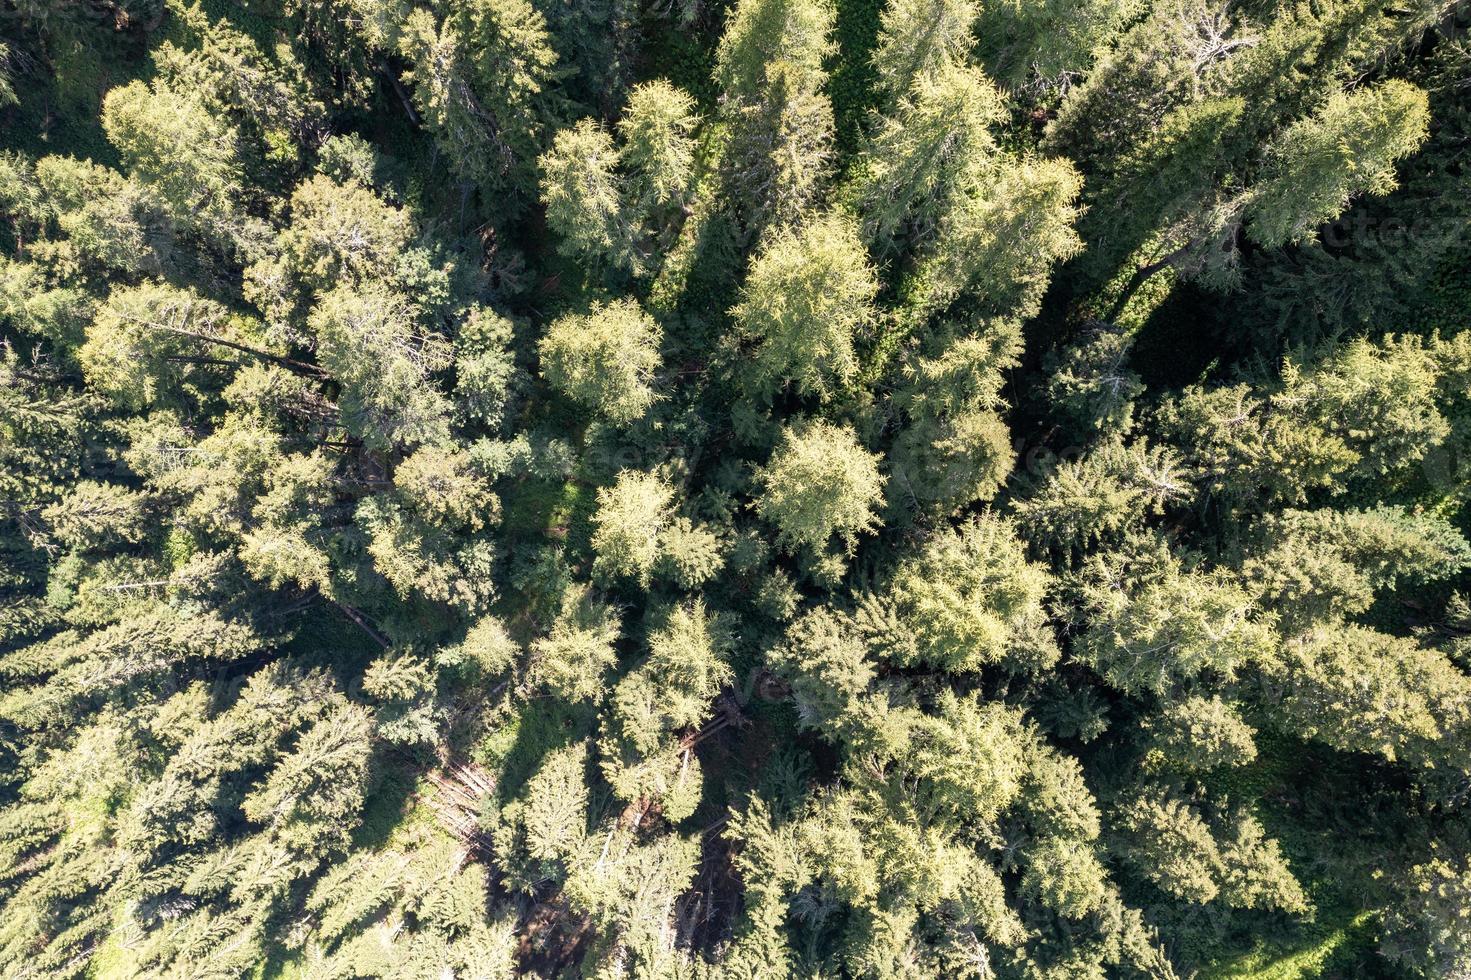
[
  {"x": 1342, "y": 948},
  {"x": 547, "y": 509}
]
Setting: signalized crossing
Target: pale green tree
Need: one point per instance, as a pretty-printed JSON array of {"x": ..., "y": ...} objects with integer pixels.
[
  {"x": 808, "y": 296},
  {"x": 954, "y": 447},
  {"x": 369, "y": 341},
  {"x": 1154, "y": 623},
  {"x": 107, "y": 220},
  {"x": 1198, "y": 733},
  {"x": 604, "y": 359},
  {"x": 920, "y": 37},
  {"x": 272, "y": 103},
  {"x": 1361, "y": 690},
  {"x": 1425, "y": 929},
  {"x": 1315, "y": 566},
  {"x": 425, "y": 535},
  {"x": 1172, "y": 844},
  {"x": 94, "y": 516},
  {"x": 1348, "y": 147},
  {"x": 965, "y": 600},
  {"x": 657, "y": 709},
  {"x": 926, "y": 153},
  {"x": 769, "y": 66},
  {"x": 1111, "y": 489},
  {"x": 629, "y": 524},
  {"x": 572, "y": 659},
  {"x": 1360, "y": 410},
  {"x": 584, "y": 195},
  {"x": 485, "y": 366},
  {"x": 146, "y": 342},
  {"x": 483, "y": 81},
  {"x": 997, "y": 242},
  {"x": 827, "y": 665},
  {"x": 820, "y": 484},
  {"x": 658, "y": 132},
  {"x": 620, "y": 206},
  {"x": 189, "y": 156}
]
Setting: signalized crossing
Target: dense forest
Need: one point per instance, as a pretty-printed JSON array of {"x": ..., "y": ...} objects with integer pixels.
[{"x": 695, "y": 489}]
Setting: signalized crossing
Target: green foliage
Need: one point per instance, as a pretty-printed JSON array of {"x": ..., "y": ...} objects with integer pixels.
[
  {"x": 1314, "y": 428},
  {"x": 482, "y": 78},
  {"x": 1089, "y": 384},
  {"x": 998, "y": 241},
  {"x": 927, "y": 151},
  {"x": 921, "y": 38},
  {"x": 1320, "y": 565},
  {"x": 1347, "y": 147},
  {"x": 819, "y": 485},
  {"x": 1102, "y": 494},
  {"x": 1172, "y": 845},
  {"x": 1196, "y": 734},
  {"x": 620, "y": 206},
  {"x": 943, "y": 490},
  {"x": 571, "y": 659},
  {"x": 956, "y": 448},
  {"x": 584, "y": 197},
  {"x": 1365, "y": 691},
  {"x": 1427, "y": 932},
  {"x": 827, "y": 666},
  {"x": 1155, "y": 625},
  {"x": 670, "y": 693},
  {"x": 423, "y": 535},
  {"x": 631, "y": 518},
  {"x": 604, "y": 359},
  {"x": 1040, "y": 47},
  {"x": 968, "y": 599},
  {"x": 138, "y": 344},
  {"x": 805, "y": 301},
  {"x": 769, "y": 67},
  {"x": 369, "y": 342},
  {"x": 169, "y": 142}
]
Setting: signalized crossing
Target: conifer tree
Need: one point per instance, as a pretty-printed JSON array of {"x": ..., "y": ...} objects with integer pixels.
[
  {"x": 805, "y": 301},
  {"x": 1043, "y": 46},
  {"x": 632, "y": 515},
  {"x": 425, "y": 535},
  {"x": 369, "y": 342},
  {"x": 170, "y": 142},
  {"x": 969, "y": 598},
  {"x": 657, "y": 128},
  {"x": 1156, "y": 624},
  {"x": 1347, "y": 147},
  {"x": 619, "y": 205},
  {"x": 997, "y": 243},
  {"x": 927, "y": 153},
  {"x": 920, "y": 37},
  {"x": 769, "y": 66},
  {"x": 955, "y": 448},
  {"x": 578, "y": 650},
  {"x": 658, "y": 707},
  {"x": 820, "y": 487},
  {"x": 139, "y": 347},
  {"x": 604, "y": 359},
  {"x": 1426, "y": 932},
  {"x": 482, "y": 78}
]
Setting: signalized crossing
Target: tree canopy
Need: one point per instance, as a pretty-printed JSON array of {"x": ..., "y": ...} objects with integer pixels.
[{"x": 762, "y": 489}]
